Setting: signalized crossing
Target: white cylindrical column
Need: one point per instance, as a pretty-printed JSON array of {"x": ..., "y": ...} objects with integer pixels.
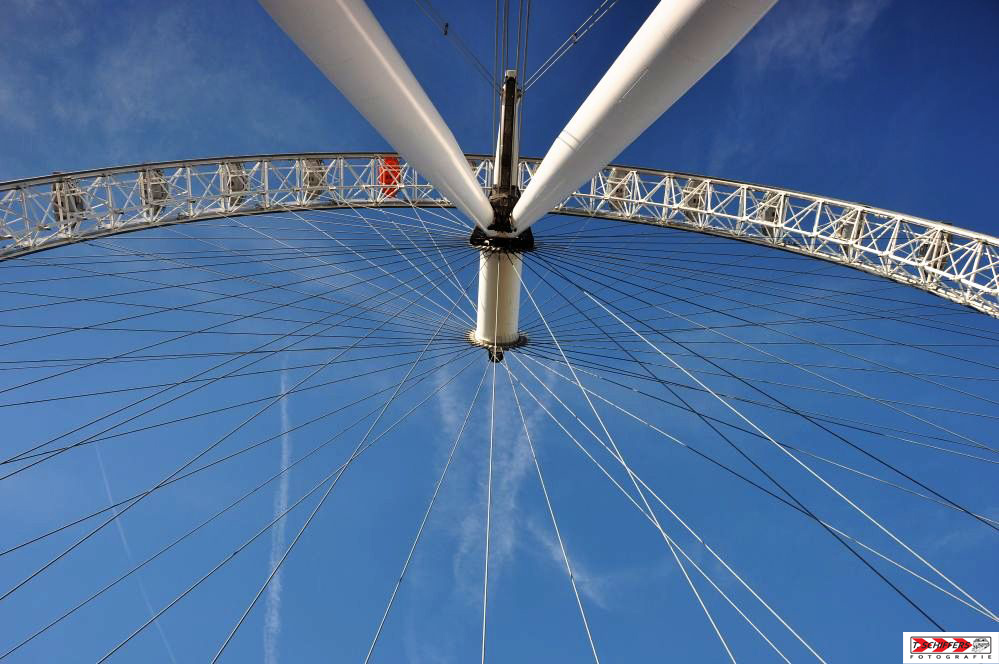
[{"x": 499, "y": 299}]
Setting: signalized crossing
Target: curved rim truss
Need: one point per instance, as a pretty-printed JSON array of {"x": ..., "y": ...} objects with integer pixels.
[{"x": 957, "y": 264}]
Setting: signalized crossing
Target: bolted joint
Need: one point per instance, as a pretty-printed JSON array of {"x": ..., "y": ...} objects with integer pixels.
[
  {"x": 508, "y": 243},
  {"x": 495, "y": 350}
]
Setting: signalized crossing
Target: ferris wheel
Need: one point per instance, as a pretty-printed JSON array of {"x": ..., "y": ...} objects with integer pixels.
[{"x": 435, "y": 406}]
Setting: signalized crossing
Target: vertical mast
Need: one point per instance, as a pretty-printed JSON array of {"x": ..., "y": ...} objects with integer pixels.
[
  {"x": 505, "y": 191},
  {"x": 498, "y": 311}
]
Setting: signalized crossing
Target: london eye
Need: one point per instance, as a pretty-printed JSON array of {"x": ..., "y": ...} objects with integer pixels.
[{"x": 425, "y": 404}]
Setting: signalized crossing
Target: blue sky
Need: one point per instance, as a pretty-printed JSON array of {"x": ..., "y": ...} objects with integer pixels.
[{"x": 889, "y": 103}]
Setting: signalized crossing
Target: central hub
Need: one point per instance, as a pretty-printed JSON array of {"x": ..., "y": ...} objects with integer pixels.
[
  {"x": 498, "y": 311},
  {"x": 498, "y": 314}
]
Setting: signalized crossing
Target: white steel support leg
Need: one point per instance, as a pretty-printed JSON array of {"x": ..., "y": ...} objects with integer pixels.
[
  {"x": 499, "y": 300},
  {"x": 679, "y": 43},
  {"x": 344, "y": 39}
]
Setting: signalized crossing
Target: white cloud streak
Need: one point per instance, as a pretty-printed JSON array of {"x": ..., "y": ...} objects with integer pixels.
[
  {"x": 272, "y": 605},
  {"x": 155, "y": 78},
  {"x": 592, "y": 586},
  {"x": 822, "y": 38},
  {"x": 811, "y": 40},
  {"x": 512, "y": 467}
]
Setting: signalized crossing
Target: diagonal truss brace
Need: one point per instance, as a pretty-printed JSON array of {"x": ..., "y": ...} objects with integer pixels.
[{"x": 51, "y": 211}]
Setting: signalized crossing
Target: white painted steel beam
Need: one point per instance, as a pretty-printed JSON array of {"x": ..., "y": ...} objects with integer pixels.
[
  {"x": 679, "y": 42},
  {"x": 344, "y": 39}
]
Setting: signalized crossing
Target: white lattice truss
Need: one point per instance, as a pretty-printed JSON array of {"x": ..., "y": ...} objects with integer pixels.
[{"x": 45, "y": 212}]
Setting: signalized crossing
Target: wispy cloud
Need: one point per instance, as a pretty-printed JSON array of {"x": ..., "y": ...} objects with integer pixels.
[
  {"x": 465, "y": 520},
  {"x": 965, "y": 537},
  {"x": 600, "y": 587},
  {"x": 593, "y": 586},
  {"x": 822, "y": 38},
  {"x": 105, "y": 85},
  {"x": 450, "y": 409},
  {"x": 511, "y": 467},
  {"x": 148, "y": 82},
  {"x": 272, "y": 606},
  {"x": 811, "y": 41}
]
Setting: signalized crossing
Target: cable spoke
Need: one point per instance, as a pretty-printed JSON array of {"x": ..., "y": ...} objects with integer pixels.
[
  {"x": 354, "y": 454},
  {"x": 426, "y": 517},
  {"x": 551, "y": 513},
  {"x": 640, "y": 492},
  {"x": 805, "y": 466}
]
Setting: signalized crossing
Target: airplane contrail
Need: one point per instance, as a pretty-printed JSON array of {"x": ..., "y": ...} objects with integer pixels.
[{"x": 272, "y": 612}]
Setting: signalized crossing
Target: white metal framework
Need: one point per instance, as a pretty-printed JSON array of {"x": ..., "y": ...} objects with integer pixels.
[{"x": 954, "y": 263}]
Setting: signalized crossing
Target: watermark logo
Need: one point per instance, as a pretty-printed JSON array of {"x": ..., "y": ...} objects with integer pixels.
[{"x": 951, "y": 647}]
